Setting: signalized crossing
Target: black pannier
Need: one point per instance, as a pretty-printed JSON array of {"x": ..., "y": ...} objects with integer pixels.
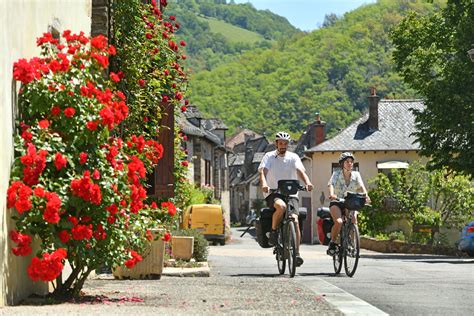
[
  {"x": 263, "y": 225},
  {"x": 325, "y": 224},
  {"x": 354, "y": 201},
  {"x": 301, "y": 219}
]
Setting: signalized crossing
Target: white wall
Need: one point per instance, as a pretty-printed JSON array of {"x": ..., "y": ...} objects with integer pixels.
[{"x": 21, "y": 23}]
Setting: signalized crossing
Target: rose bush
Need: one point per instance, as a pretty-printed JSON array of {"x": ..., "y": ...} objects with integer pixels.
[{"x": 75, "y": 183}]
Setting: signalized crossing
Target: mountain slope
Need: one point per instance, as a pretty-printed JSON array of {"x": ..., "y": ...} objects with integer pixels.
[
  {"x": 329, "y": 71},
  {"x": 217, "y": 32}
]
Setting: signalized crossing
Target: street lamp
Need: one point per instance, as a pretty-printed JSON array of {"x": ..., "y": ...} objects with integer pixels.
[{"x": 470, "y": 53}]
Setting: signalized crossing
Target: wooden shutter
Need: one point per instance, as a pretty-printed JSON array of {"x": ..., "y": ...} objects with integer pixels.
[{"x": 163, "y": 184}]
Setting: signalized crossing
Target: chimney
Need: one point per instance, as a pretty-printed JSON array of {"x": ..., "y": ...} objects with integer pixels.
[
  {"x": 373, "y": 110},
  {"x": 318, "y": 131}
]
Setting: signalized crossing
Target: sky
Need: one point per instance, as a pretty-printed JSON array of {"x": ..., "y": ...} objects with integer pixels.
[{"x": 307, "y": 15}]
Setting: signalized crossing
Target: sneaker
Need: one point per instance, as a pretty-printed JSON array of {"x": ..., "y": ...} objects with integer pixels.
[
  {"x": 272, "y": 238},
  {"x": 331, "y": 248},
  {"x": 299, "y": 260}
]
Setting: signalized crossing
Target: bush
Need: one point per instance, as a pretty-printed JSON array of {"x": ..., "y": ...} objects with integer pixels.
[{"x": 201, "y": 245}]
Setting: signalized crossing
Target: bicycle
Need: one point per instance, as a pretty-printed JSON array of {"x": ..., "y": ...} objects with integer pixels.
[
  {"x": 348, "y": 249},
  {"x": 286, "y": 247}
]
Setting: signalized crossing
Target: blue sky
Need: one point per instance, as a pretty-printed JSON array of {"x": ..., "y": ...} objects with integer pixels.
[{"x": 307, "y": 15}]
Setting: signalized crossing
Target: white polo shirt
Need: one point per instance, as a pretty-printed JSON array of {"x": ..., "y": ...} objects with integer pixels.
[{"x": 280, "y": 168}]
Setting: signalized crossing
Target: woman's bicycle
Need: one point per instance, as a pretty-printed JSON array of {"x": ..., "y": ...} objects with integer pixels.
[
  {"x": 286, "y": 248},
  {"x": 349, "y": 246}
]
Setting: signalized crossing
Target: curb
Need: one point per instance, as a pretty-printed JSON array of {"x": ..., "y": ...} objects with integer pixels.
[{"x": 202, "y": 271}]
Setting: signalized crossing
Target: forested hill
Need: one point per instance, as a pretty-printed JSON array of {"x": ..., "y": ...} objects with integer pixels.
[
  {"x": 217, "y": 31},
  {"x": 328, "y": 70}
]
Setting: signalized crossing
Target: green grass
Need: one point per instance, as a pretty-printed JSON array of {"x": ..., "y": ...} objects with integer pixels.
[{"x": 230, "y": 32}]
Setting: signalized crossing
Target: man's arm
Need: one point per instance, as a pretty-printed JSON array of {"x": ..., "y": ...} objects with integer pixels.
[
  {"x": 263, "y": 180},
  {"x": 305, "y": 178}
]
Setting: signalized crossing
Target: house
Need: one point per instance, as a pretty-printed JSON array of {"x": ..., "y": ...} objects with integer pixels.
[
  {"x": 380, "y": 140},
  {"x": 207, "y": 154},
  {"x": 245, "y": 193}
]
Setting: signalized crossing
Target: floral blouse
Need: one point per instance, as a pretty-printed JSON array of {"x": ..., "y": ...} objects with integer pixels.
[{"x": 340, "y": 186}]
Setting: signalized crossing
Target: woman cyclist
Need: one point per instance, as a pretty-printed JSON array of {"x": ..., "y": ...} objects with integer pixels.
[{"x": 343, "y": 180}]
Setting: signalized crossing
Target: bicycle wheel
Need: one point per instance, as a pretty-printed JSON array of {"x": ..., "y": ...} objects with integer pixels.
[
  {"x": 351, "y": 255},
  {"x": 291, "y": 248},
  {"x": 337, "y": 259},
  {"x": 279, "y": 253}
]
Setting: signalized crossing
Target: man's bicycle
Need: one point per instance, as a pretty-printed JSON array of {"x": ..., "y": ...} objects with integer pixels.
[
  {"x": 349, "y": 246},
  {"x": 286, "y": 248}
]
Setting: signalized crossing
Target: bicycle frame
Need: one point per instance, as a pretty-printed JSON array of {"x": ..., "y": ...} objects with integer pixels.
[
  {"x": 349, "y": 246},
  {"x": 286, "y": 247}
]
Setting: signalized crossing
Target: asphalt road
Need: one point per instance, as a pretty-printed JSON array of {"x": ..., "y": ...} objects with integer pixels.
[{"x": 397, "y": 284}]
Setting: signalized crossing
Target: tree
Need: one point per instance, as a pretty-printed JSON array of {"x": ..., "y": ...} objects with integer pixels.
[{"x": 431, "y": 56}]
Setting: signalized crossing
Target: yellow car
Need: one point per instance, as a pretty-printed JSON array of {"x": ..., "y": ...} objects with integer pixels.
[{"x": 207, "y": 218}]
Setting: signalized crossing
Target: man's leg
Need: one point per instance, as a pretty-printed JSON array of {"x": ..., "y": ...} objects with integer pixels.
[
  {"x": 280, "y": 208},
  {"x": 299, "y": 260}
]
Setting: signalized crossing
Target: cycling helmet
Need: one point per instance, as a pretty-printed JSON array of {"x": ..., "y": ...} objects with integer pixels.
[
  {"x": 282, "y": 135},
  {"x": 345, "y": 156}
]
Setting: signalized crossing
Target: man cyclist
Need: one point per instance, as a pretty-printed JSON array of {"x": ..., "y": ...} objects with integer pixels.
[
  {"x": 343, "y": 180},
  {"x": 282, "y": 165}
]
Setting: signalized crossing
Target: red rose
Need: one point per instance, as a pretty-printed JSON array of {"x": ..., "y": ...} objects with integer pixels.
[
  {"x": 39, "y": 192},
  {"x": 149, "y": 36},
  {"x": 64, "y": 236},
  {"x": 60, "y": 161},
  {"x": 182, "y": 43},
  {"x": 82, "y": 158},
  {"x": 69, "y": 112},
  {"x": 166, "y": 236},
  {"x": 183, "y": 109},
  {"x": 55, "y": 110},
  {"x": 141, "y": 82},
  {"x": 114, "y": 77},
  {"x": 184, "y": 163},
  {"x": 43, "y": 124}
]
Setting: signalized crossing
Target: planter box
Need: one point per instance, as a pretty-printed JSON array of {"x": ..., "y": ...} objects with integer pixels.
[
  {"x": 182, "y": 247},
  {"x": 151, "y": 267}
]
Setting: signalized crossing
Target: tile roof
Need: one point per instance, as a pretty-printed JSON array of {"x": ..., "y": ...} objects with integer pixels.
[{"x": 396, "y": 124}]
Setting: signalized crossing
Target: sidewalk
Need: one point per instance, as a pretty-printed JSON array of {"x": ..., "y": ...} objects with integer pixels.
[{"x": 213, "y": 295}]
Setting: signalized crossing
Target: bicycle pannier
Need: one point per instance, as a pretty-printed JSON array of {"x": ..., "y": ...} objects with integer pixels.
[
  {"x": 324, "y": 224},
  {"x": 288, "y": 187},
  {"x": 263, "y": 225},
  {"x": 354, "y": 201}
]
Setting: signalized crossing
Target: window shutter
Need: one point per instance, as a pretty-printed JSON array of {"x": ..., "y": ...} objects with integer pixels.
[{"x": 162, "y": 184}]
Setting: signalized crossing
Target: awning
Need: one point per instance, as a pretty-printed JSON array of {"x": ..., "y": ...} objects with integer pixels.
[{"x": 392, "y": 165}]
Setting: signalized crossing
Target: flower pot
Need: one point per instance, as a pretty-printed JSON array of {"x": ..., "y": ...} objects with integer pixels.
[
  {"x": 182, "y": 247},
  {"x": 151, "y": 267}
]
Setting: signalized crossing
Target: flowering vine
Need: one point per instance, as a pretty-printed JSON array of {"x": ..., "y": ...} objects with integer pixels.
[{"x": 78, "y": 180}]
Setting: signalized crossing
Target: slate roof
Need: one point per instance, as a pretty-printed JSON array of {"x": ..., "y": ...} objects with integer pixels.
[
  {"x": 396, "y": 124},
  {"x": 239, "y": 137},
  {"x": 236, "y": 159},
  {"x": 190, "y": 129},
  {"x": 214, "y": 123}
]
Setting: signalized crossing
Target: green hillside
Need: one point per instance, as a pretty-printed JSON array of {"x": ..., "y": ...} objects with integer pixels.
[
  {"x": 217, "y": 32},
  {"x": 231, "y": 33},
  {"x": 329, "y": 71}
]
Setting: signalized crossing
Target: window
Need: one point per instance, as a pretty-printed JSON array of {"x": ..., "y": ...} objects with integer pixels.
[
  {"x": 207, "y": 172},
  {"x": 335, "y": 166}
]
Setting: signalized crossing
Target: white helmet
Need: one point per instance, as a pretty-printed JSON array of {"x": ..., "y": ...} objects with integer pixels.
[
  {"x": 283, "y": 136},
  {"x": 345, "y": 156}
]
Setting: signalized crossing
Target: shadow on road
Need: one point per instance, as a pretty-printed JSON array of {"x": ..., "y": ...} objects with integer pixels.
[
  {"x": 318, "y": 274},
  {"x": 258, "y": 275},
  {"x": 418, "y": 258}
]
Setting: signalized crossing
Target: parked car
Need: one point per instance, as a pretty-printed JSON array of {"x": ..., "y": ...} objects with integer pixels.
[
  {"x": 466, "y": 243},
  {"x": 207, "y": 218}
]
